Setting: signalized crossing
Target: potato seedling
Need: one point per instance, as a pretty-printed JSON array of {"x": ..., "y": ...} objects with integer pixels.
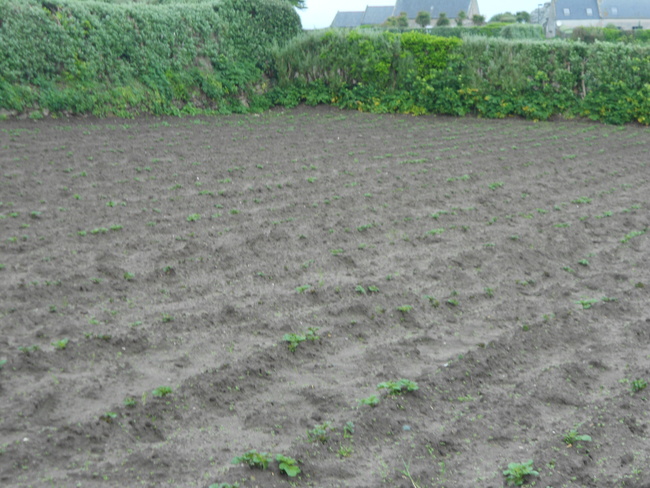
[
  {"x": 162, "y": 391},
  {"x": 517, "y": 473},
  {"x": 572, "y": 437},
  {"x": 372, "y": 400},
  {"x": 254, "y": 459},
  {"x": 320, "y": 433},
  {"x": 61, "y": 344},
  {"x": 398, "y": 387},
  {"x": 638, "y": 385},
  {"x": 287, "y": 465}
]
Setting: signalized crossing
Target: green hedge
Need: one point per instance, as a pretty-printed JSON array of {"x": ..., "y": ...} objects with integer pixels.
[
  {"x": 159, "y": 56},
  {"x": 489, "y": 77}
]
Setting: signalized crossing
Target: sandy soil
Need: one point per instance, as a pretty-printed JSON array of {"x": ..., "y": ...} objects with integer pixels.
[{"x": 501, "y": 266}]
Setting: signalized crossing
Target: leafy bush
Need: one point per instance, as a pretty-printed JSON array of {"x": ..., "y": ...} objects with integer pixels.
[{"x": 159, "y": 56}]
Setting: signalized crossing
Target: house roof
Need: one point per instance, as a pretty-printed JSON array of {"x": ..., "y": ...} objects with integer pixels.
[
  {"x": 413, "y": 7},
  {"x": 434, "y": 7},
  {"x": 450, "y": 7},
  {"x": 347, "y": 19},
  {"x": 625, "y": 9},
  {"x": 376, "y": 15},
  {"x": 576, "y": 9}
]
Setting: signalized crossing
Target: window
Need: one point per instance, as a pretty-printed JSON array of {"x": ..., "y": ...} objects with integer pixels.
[
  {"x": 590, "y": 12},
  {"x": 614, "y": 11},
  {"x": 567, "y": 12}
]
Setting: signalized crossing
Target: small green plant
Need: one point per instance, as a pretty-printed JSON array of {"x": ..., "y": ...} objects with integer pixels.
[
  {"x": 287, "y": 465},
  {"x": 583, "y": 262},
  {"x": 130, "y": 402},
  {"x": 194, "y": 217},
  {"x": 495, "y": 185},
  {"x": 587, "y": 303},
  {"x": 166, "y": 318},
  {"x": 345, "y": 451},
  {"x": 372, "y": 400},
  {"x": 27, "y": 350},
  {"x": 633, "y": 234},
  {"x": 517, "y": 472},
  {"x": 435, "y": 303},
  {"x": 360, "y": 289},
  {"x": 348, "y": 430},
  {"x": 303, "y": 288},
  {"x": 582, "y": 200},
  {"x": 162, "y": 391},
  {"x": 61, "y": 344},
  {"x": 254, "y": 459},
  {"x": 398, "y": 387},
  {"x": 572, "y": 437},
  {"x": 638, "y": 385},
  {"x": 404, "y": 308},
  {"x": 312, "y": 334},
  {"x": 2, "y": 363},
  {"x": 108, "y": 417},
  {"x": 224, "y": 485},
  {"x": 129, "y": 276},
  {"x": 293, "y": 340},
  {"x": 320, "y": 432}
]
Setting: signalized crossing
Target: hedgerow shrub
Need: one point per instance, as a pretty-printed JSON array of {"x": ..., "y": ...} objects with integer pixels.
[
  {"x": 490, "y": 77},
  {"x": 159, "y": 56}
]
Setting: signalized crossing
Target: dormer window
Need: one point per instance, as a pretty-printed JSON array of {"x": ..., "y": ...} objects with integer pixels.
[
  {"x": 567, "y": 12},
  {"x": 590, "y": 12},
  {"x": 614, "y": 10}
]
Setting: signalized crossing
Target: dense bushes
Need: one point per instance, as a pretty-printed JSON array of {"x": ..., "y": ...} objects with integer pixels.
[
  {"x": 490, "y": 77},
  {"x": 181, "y": 56},
  {"x": 159, "y": 56}
]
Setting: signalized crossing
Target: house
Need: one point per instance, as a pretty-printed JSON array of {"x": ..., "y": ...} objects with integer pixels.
[
  {"x": 435, "y": 7},
  {"x": 379, "y": 15},
  {"x": 347, "y": 19},
  {"x": 376, "y": 15},
  {"x": 624, "y": 14}
]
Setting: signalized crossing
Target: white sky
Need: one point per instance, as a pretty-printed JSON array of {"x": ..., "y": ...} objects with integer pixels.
[{"x": 320, "y": 13}]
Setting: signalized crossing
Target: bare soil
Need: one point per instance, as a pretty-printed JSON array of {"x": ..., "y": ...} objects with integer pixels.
[{"x": 501, "y": 265}]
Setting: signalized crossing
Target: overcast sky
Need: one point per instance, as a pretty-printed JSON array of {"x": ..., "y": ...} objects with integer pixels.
[{"x": 320, "y": 13}]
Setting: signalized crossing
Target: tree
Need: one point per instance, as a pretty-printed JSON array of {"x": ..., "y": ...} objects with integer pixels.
[
  {"x": 506, "y": 17},
  {"x": 423, "y": 19},
  {"x": 478, "y": 19},
  {"x": 442, "y": 20},
  {"x": 298, "y": 3},
  {"x": 462, "y": 15},
  {"x": 523, "y": 17},
  {"x": 400, "y": 22}
]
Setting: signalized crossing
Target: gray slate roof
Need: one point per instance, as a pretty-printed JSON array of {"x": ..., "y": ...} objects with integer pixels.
[
  {"x": 625, "y": 9},
  {"x": 434, "y": 7},
  {"x": 376, "y": 15},
  {"x": 450, "y": 7},
  {"x": 577, "y": 9},
  {"x": 413, "y": 7},
  {"x": 347, "y": 19}
]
